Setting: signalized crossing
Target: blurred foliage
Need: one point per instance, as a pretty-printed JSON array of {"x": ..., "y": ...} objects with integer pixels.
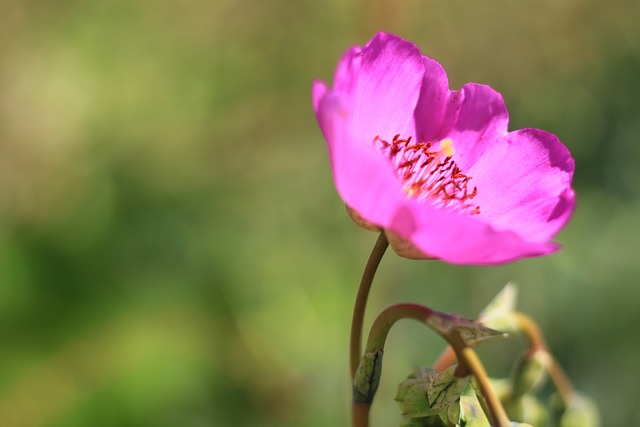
[{"x": 172, "y": 250}]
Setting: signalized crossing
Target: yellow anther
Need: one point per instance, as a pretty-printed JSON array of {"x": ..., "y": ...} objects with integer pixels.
[
  {"x": 446, "y": 146},
  {"x": 408, "y": 191}
]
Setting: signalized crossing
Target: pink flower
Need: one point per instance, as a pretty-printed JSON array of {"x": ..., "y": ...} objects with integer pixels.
[{"x": 437, "y": 169}]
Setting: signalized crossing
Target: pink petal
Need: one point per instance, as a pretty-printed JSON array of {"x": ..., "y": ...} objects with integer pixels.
[
  {"x": 380, "y": 85},
  {"x": 523, "y": 178},
  {"x": 461, "y": 239},
  {"x": 436, "y": 107},
  {"x": 524, "y": 184},
  {"x": 481, "y": 119},
  {"x": 364, "y": 178}
]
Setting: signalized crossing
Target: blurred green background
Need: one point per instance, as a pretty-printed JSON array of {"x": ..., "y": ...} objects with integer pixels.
[{"x": 172, "y": 249}]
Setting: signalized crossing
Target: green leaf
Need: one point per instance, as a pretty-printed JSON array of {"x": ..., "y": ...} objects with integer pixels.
[
  {"x": 422, "y": 422},
  {"x": 446, "y": 388},
  {"x": 471, "y": 413},
  {"x": 454, "y": 413},
  {"x": 497, "y": 314},
  {"x": 503, "y": 302}
]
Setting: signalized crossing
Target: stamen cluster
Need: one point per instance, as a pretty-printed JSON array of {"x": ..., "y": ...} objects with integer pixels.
[{"x": 429, "y": 173}]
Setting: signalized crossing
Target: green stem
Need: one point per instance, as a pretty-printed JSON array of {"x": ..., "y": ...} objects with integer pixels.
[
  {"x": 361, "y": 301},
  {"x": 468, "y": 357},
  {"x": 385, "y": 320},
  {"x": 469, "y": 361},
  {"x": 375, "y": 345},
  {"x": 528, "y": 327},
  {"x": 360, "y": 414}
]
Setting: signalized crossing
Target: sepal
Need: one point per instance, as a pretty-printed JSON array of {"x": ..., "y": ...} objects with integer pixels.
[
  {"x": 428, "y": 392},
  {"x": 367, "y": 378},
  {"x": 470, "y": 331}
]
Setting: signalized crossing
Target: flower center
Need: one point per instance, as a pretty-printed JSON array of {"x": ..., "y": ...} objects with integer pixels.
[{"x": 428, "y": 172}]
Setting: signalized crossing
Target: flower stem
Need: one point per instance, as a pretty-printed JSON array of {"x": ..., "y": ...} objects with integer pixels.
[
  {"x": 468, "y": 358},
  {"x": 530, "y": 329},
  {"x": 375, "y": 346},
  {"x": 361, "y": 301},
  {"x": 360, "y": 414},
  {"x": 470, "y": 364},
  {"x": 385, "y": 320}
]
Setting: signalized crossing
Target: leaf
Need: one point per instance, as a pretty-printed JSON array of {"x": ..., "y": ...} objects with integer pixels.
[
  {"x": 421, "y": 422},
  {"x": 454, "y": 413},
  {"x": 446, "y": 388},
  {"x": 497, "y": 314},
  {"x": 471, "y": 413},
  {"x": 503, "y": 302}
]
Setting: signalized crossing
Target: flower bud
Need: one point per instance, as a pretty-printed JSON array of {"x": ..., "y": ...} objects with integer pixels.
[
  {"x": 581, "y": 412},
  {"x": 428, "y": 392},
  {"x": 529, "y": 372}
]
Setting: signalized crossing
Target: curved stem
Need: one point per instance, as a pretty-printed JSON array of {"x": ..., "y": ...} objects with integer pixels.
[
  {"x": 530, "y": 329},
  {"x": 385, "y": 320},
  {"x": 361, "y": 301},
  {"x": 448, "y": 357},
  {"x": 468, "y": 357},
  {"x": 375, "y": 345},
  {"x": 561, "y": 381}
]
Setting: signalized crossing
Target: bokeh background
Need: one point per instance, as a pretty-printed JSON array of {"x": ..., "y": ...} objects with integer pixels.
[{"x": 172, "y": 249}]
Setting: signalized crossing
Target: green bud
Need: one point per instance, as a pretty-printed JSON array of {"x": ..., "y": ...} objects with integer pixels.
[
  {"x": 530, "y": 372},
  {"x": 527, "y": 409},
  {"x": 367, "y": 378},
  {"x": 428, "y": 392},
  {"x": 582, "y": 412}
]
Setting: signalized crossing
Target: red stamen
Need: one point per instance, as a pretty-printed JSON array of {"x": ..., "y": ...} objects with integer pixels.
[{"x": 429, "y": 175}]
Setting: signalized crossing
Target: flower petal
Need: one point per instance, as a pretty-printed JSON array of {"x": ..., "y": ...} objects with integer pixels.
[
  {"x": 380, "y": 85},
  {"x": 461, "y": 239},
  {"x": 435, "y": 111},
  {"x": 524, "y": 184},
  {"x": 364, "y": 178},
  {"x": 480, "y": 121},
  {"x": 523, "y": 178}
]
